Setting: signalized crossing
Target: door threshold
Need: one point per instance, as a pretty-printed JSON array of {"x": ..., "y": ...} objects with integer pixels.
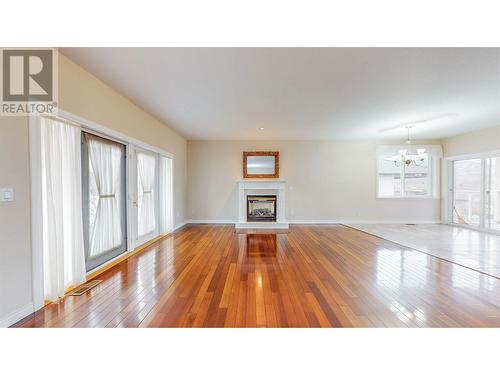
[{"x": 113, "y": 262}]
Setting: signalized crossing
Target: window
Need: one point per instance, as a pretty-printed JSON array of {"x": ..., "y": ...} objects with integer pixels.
[
  {"x": 390, "y": 178},
  {"x": 417, "y": 181},
  {"x": 397, "y": 179}
]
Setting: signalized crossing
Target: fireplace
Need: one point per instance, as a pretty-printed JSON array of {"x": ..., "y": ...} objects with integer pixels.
[
  {"x": 261, "y": 208},
  {"x": 272, "y": 194}
]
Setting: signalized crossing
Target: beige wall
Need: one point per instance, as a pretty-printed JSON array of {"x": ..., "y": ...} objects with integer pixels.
[
  {"x": 84, "y": 95},
  {"x": 15, "y": 246},
  {"x": 326, "y": 180},
  {"x": 475, "y": 142}
]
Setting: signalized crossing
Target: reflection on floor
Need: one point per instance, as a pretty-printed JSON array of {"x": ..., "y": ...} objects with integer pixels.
[
  {"x": 261, "y": 244},
  {"x": 470, "y": 248},
  {"x": 310, "y": 276}
]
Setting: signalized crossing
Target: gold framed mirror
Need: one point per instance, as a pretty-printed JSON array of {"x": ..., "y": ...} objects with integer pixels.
[{"x": 261, "y": 164}]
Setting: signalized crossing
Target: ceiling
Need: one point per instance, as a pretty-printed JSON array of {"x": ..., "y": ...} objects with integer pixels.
[{"x": 306, "y": 93}]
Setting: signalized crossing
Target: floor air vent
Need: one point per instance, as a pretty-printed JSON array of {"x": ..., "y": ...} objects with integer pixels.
[{"x": 85, "y": 288}]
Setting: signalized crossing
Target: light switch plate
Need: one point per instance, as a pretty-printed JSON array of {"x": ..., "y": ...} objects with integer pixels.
[{"x": 6, "y": 194}]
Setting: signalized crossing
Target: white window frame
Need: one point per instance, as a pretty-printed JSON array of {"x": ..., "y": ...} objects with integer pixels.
[{"x": 431, "y": 177}]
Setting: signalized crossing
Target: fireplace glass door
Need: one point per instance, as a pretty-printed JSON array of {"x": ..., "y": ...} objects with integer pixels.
[{"x": 261, "y": 208}]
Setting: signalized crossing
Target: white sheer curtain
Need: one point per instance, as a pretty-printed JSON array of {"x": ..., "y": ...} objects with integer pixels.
[
  {"x": 146, "y": 175},
  {"x": 165, "y": 188},
  {"x": 105, "y": 188},
  {"x": 63, "y": 249}
]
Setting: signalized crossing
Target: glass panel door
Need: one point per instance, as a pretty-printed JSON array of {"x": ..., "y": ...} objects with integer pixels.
[
  {"x": 166, "y": 222},
  {"x": 467, "y": 192},
  {"x": 492, "y": 193},
  {"x": 147, "y": 196},
  {"x": 104, "y": 199}
]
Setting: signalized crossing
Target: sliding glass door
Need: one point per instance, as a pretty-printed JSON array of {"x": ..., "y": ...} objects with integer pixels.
[
  {"x": 146, "y": 200},
  {"x": 105, "y": 188},
  {"x": 492, "y": 190},
  {"x": 476, "y": 192},
  {"x": 166, "y": 221},
  {"x": 104, "y": 199},
  {"x": 467, "y": 183}
]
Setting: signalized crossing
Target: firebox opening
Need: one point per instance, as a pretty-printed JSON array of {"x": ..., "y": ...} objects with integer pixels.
[{"x": 261, "y": 207}]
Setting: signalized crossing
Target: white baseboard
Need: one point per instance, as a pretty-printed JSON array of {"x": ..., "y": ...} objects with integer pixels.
[
  {"x": 319, "y": 222},
  {"x": 16, "y": 316},
  {"x": 262, "y": 225},
  {"x": 180, "y": 225},
  {"x": 353, "y": 222},
  {"x": 209, "y": 221},
  {"x": 409, "y": 221}
]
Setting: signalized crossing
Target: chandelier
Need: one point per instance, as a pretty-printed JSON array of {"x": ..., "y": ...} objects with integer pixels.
[{"x": 409, "y": 156}]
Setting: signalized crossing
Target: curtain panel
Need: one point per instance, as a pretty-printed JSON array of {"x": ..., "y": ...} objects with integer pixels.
[
  {"x": 105, "y": 225},
  {"x": 63, "y": 248},
  {"x": 146, "y": 170}
]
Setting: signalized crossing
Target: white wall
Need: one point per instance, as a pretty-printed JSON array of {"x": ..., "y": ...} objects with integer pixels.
[
  {"x": 327, "y": 181},
  {"x": 84, "y": 95}
]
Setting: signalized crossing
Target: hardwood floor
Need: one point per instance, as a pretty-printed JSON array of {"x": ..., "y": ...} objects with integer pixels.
[{"x": 309, "y": 276}]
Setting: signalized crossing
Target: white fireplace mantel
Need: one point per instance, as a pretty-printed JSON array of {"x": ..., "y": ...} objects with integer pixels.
[{"x": 261, "y": 186}]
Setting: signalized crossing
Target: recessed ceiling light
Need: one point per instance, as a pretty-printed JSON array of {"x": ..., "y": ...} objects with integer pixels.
[{"x": 261, "y": 128}]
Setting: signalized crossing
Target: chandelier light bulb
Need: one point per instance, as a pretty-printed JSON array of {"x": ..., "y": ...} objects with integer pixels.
[{"x": 408, "y": 157}]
